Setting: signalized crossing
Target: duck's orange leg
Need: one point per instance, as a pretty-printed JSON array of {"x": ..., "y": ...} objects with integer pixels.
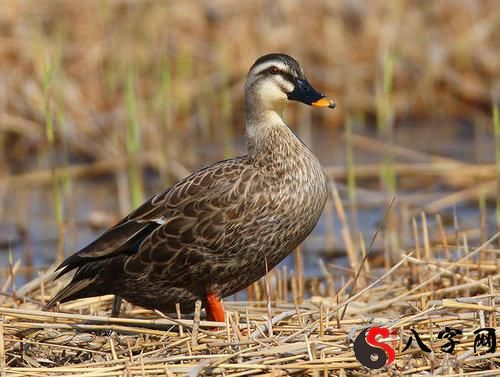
[{"x": 215, "y": 311}]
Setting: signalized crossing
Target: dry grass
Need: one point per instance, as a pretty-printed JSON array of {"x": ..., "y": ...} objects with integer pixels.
[{"x": 296, "y": 336}]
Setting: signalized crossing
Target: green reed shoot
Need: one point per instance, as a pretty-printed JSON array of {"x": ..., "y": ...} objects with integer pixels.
[
  {"x": 184, "y": 69},
  {"x": 226, "y": 108},
  {"x": 385, "y": 128},
  {"x": 47, "y": 84},
  {"x": 3, "y": 146},
  {"x": 496, "y": 130},
  {"x": 385, "y": 120},
  {"x": 133, "y": 142},
  {"x": 184, "y": 72},
  {"x": 351, "y": 169},
  {"x": 164, "y": 106},
  {"x": 65, "y": 178}
]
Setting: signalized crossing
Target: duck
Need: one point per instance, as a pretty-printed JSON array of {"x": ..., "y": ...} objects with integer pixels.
[{"x": 221, "y": 228}]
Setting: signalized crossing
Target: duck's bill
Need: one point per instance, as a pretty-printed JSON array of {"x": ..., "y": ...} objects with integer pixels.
[
  {"x": 305, "y": 93},
  {"x": 324, "y": 102}
]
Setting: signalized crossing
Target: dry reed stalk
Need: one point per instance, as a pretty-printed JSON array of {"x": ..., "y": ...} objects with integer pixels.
[
  {"x": 299, "y": 271},
  {"x": 487, "y": 188},
  {"x": 271, "y": 337},
  {"x": 348, "y": 242},
  {"x": 446, "y": 171}
]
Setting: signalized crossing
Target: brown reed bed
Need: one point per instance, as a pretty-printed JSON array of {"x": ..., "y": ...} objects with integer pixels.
[
  {"x": 120, "y": 89},
  {"x": 289, "y": 325}
]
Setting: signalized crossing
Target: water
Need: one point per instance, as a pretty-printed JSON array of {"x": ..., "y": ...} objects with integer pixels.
[{"x": 30, "y": 211}]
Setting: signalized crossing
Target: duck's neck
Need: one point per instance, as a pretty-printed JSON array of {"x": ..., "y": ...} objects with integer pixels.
[{"x": 267, "y": 135}]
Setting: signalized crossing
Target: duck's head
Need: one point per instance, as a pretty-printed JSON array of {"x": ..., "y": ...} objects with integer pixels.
[{"x": 275, "y": 79}]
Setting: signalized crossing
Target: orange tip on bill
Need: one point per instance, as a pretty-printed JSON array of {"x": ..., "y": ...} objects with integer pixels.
[{"x": 324, "y": 102}]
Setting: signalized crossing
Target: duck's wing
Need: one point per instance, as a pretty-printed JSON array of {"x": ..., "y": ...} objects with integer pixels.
[
  {"x": 193, "y": 202},
  {"x": 121, "y": 238},
  {"x": 205, "y": 231},
  {"x": 99, "y": 255}
]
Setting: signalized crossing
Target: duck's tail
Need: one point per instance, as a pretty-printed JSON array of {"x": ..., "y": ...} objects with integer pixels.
[{"x": 75, "y": 289}]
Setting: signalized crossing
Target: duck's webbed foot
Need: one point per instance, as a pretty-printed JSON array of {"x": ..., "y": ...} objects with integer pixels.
[{"x": 215, "y": 311}]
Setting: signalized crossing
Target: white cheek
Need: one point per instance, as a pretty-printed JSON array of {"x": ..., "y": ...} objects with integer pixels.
[
  {"x": 285, "y": 84},
  {"x": 270, "y": 93}
]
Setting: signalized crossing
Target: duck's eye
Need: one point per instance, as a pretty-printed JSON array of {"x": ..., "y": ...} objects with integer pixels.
[{"x": 274, "y": 70}]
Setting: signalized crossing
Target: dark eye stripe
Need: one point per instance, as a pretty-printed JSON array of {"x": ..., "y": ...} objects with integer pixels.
[{"x": 287, "y": 76}]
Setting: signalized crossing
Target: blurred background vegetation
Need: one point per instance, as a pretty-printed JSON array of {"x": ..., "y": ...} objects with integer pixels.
[{"x": 103, "y": 103}]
